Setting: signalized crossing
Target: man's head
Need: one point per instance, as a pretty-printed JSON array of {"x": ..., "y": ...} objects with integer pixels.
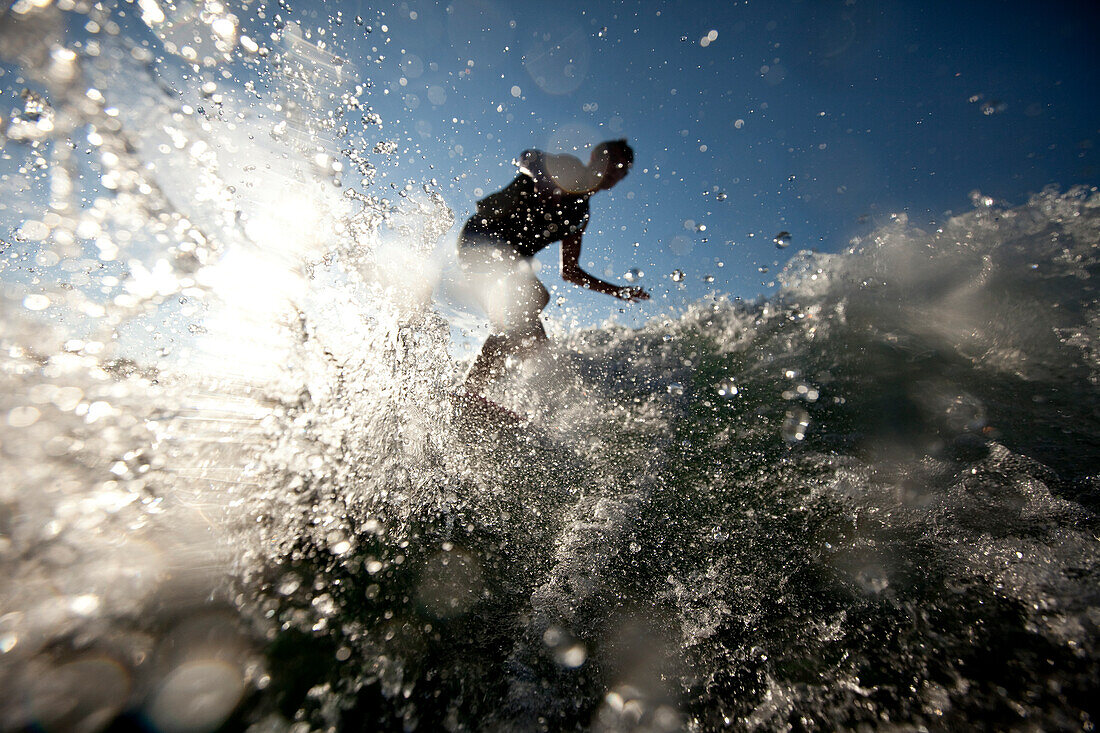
[{"x": 611, "y": 161}]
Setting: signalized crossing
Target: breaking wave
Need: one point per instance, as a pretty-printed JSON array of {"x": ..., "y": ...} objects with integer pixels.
[{"x": 239, "y": 496}]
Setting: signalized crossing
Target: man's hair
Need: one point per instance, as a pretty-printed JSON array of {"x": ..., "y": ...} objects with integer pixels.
[{"x": 617, "y": 153}]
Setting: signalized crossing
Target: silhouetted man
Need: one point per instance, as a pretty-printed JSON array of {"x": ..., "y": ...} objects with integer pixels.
[{"x": 547, "y": 202}]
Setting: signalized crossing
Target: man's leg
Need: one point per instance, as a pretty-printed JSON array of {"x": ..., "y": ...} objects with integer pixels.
[
  {"x": 524, "y": 334},
  {"x": 489, "y": 364}
]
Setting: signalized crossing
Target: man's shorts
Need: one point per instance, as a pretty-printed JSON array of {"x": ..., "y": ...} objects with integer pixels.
[{"x": 504, "y": 282}]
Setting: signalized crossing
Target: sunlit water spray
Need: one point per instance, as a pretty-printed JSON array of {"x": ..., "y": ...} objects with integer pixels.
[
  {"x": 239, "y": 495},
  {"x": 174, "y": 249}
]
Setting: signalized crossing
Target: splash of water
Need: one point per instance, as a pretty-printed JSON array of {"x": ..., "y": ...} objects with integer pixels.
[
  {"x": 241, "y": 496},
  {"x": 179, "y": 252}
]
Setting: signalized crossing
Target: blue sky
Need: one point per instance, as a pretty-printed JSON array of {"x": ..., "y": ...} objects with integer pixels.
[
  {"x": 818, "y": 118},
  {"x": 748, "y": 118}
]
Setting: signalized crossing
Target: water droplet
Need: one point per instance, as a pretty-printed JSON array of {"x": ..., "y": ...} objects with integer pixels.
[
  {"x": 85, "y": 604},
  {"x": 36, "y": 302},
  {"x": 218, "y": 684},
  {"x": 720, "y": 196},
  {"x": 568, "y": 651},
  {"x": 681, "y": 245},
  {"x": 677, "y": 276},
  {"x": 782, "y": 240},
  {"x": 978, "y": 199},
  {"x": 33, "y": 230},
  {"x": 795, "y": 424},
  {"x": 675, "y": 389},
  {"x": 633, "y": 275},
  {"x": 224, "y": 27},
  {"x": 288, "y": 585},
  {"x": 572, "y": 656},
  {"x": 24, "y": 416},
  {"x": 708, "y": 278},
  {"x": 727, "y": 388},
  {"x": 993, "y": 107},
  {"x": 803, "y": 391}
]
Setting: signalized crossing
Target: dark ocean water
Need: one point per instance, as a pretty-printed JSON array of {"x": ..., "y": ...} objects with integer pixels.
[
  {"x": 239, "y": 496},
  {"x": 867, "y": 501}
]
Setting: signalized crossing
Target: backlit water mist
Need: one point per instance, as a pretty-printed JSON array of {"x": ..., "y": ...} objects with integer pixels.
[{"x": 237, "y": 495}]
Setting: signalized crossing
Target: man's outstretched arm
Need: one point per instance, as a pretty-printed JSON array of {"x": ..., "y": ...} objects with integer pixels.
[{"x": 572, "y": 272}]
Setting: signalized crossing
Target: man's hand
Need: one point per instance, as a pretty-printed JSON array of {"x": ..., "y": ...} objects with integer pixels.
[
  {"x": 631, "y": 294},
  {"x": 571, "y": 272}
]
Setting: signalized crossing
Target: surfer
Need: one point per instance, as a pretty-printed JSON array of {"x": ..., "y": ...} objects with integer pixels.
[{"x": 547, "y": 202}]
